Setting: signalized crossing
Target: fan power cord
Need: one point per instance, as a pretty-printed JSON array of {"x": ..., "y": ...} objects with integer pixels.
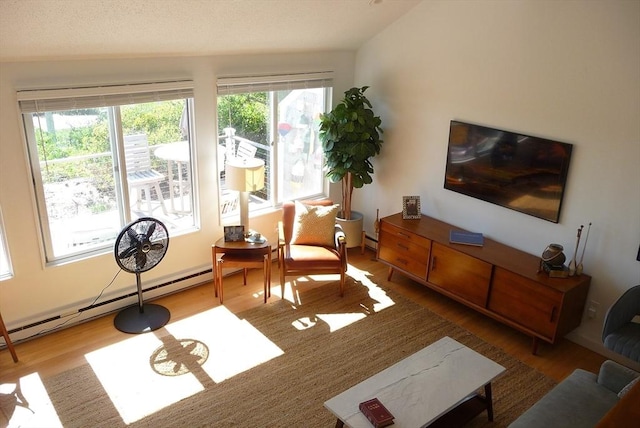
[{"x": 75, "y": 314}]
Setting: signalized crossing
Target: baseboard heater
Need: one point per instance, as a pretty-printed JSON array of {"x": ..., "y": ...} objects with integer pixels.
[{"x": 106, "y": 302}]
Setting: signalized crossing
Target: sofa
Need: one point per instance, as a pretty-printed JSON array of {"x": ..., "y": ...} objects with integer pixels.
[{"x": 582, "y": 399}]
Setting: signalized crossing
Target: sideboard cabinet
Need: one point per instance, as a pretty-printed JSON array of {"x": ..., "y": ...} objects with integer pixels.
[{"x": 496, "y": 280}]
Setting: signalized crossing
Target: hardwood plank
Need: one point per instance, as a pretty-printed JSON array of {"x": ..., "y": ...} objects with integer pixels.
[{"x": 64, "y": 349}]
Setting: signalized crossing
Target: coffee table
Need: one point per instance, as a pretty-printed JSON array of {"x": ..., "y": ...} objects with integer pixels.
[{"x": 437, "y": 385}]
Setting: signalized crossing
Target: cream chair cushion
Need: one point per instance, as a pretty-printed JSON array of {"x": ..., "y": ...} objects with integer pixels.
[{"x": 314, "y": 224}]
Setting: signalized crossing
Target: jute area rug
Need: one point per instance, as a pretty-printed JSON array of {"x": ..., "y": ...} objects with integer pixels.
[{"x": 314, "y": 349}]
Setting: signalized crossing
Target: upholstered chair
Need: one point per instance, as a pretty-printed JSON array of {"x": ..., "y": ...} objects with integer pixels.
[
  {"x": 621, "y": 333},
  {"x": 311, "y": 242}
]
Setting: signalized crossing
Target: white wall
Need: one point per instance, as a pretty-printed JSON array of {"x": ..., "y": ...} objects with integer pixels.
[
  {"x": 565, "y": 70},
  {"x": 38, "y": 292}
]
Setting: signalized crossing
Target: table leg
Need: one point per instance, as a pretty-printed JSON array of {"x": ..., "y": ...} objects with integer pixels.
[
  {"x": 488, "y": 397},
  {"x": 264, "y": 274},
  {"x": 269, "y": 271},
  {"x": 220, "y": 284},
  {"x": 214, "y": 265},
  {"x": 339, "y": 424}
]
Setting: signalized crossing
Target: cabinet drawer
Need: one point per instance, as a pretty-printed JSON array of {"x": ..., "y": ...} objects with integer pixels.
[
  {"x": 393, "y": 231},
  {"x": 404, "y": 254},
  {"x": 460, "y": 274},
  {"x": 526, "y": 302}
]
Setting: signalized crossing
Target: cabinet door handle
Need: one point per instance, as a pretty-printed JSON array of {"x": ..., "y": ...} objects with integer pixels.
[
  {"x": 403, "y": 261},
  {"x": 404, "y": 247},
  {"x": 553, "y": 314},
  {"x": 404, "y": 235},
  {"x": 433, "y": 263}
]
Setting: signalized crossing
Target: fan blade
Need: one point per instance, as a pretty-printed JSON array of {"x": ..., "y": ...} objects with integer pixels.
[
  {"x": 128, "y": 252},
  {"x": 133, "y": 236},
  {"x": 152, "y": 228},
  {"x": 141, "y": 259},
  {"x": 157, "y": 246}
]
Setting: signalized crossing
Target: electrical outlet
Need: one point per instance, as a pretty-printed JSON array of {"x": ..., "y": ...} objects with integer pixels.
[{"x": 592, "y": 311}]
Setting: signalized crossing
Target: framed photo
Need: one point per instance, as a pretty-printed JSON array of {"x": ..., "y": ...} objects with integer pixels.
[
  {"x": 410, "y": 207},
  {"x": 233, "y": 233}
]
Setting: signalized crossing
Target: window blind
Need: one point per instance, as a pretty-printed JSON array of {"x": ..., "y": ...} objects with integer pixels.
[
  {"x": 240, "y": 84},
  {"x": 32, "y": 101}
]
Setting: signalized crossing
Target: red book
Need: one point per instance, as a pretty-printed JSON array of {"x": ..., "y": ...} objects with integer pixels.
[{"x": 377, "y": 414}]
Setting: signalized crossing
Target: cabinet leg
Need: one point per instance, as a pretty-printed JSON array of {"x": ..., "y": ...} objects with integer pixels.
[
  {"x": 534, "y": 346},
  {"x": 389, "y": 274}
]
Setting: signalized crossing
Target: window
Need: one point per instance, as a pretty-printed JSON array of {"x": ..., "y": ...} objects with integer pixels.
[
  {"x": 5, "y": 262},
  {"x": 277, "y": 118},
  {"x": 105, "y": 156}
]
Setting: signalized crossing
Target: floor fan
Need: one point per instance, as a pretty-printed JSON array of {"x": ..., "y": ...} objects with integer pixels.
[{"x": 140, "y": 246}]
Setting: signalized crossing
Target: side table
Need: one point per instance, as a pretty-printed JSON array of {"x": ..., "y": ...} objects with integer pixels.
[{"x": 241, "y": 254}]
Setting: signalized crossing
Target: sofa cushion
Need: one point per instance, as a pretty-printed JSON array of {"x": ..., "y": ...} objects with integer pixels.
[
  {"x": 577, "y": 401},
  {"x": 314, "y": 225}
]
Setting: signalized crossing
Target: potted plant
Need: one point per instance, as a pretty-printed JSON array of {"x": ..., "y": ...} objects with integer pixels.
[{"x": 350, "y": 136}]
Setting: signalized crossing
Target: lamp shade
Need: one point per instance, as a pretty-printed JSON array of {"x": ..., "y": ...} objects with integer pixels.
[{"x": 244, "y": 175}]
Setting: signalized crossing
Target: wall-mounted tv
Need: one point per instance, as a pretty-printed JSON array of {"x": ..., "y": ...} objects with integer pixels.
[{"x": 516, "y": 171}]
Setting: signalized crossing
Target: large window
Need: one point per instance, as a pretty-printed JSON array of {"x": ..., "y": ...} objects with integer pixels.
[
  {"x": 103, "y": 157},
  {"x": 276, "y": 119},
  {"x": 5, "y": 261}
]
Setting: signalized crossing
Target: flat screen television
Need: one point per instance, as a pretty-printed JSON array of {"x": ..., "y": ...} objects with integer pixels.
[{"x": 524, "y": 173}]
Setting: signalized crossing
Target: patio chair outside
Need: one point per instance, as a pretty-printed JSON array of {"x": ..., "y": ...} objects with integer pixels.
[{"x": 140, "y": 176}]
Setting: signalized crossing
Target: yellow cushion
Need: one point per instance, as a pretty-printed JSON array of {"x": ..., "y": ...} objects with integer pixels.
[{"x": 314, "y": 224}]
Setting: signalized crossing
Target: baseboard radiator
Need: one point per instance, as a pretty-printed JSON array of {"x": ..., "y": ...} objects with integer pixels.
[{"x": 108, "y": 306}]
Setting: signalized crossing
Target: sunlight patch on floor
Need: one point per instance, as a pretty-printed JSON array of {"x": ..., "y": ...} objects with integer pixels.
[
  {"x": 27, "y": 404},
  {"x": 208, "y": 347},
  {"x": 379, "y": 297},
  {"x": 338, "y": 321},
  {"x": 375, "y": 292}
]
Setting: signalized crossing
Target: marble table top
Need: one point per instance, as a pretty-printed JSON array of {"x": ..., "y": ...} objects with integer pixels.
[{"x": 420, "y": 388}]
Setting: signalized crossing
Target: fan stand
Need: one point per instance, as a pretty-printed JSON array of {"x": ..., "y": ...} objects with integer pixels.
[{"x": 143, "y": 317}]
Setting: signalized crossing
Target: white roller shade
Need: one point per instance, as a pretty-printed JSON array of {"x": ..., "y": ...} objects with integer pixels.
[
  {"x": 31, "y": 101},
  {"x": 241, "y": 84}
]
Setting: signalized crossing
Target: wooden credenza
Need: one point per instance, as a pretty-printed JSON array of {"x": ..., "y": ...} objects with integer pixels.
[{"x": 495, "y": 279}]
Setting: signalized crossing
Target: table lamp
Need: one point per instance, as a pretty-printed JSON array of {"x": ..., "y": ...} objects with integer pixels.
[{"x": 244, "y": 175}]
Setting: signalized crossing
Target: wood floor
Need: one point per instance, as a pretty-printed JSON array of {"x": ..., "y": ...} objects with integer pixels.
[{"x": 64, "y": 349}]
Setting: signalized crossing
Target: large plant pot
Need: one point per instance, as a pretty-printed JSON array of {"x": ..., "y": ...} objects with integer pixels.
[{"x": 352, "y": 228}]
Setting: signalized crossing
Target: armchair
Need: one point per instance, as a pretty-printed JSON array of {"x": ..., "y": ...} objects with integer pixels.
[
  {"x": 620, "y": 333},
  {"x": 298, "y": 256}
]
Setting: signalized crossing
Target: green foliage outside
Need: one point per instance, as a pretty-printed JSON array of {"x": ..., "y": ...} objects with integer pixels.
[
  {"x": 160, "y": 121},
  {"x": 247, "y": 113}
]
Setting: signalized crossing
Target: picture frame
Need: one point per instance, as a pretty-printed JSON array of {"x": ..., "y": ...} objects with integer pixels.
[
  {"x": 233, "y": 233},
  {"x": 411, "y": 207}
]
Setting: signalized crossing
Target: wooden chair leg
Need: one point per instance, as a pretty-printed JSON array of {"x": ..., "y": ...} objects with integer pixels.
[{"x": 7, "y": 339}]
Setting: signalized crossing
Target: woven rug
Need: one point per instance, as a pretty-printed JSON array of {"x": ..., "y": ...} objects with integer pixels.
[{"x": 286, "y": 359}]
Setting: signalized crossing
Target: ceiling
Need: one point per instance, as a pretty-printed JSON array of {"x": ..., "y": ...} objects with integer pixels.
[{"x": 82, "y": 29}]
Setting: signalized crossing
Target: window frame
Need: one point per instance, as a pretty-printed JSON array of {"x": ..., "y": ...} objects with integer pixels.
[
  {"x": 112, "y": 98},
  {"x": 271, "y": 84},
  {"x": 6, "y": 267}
]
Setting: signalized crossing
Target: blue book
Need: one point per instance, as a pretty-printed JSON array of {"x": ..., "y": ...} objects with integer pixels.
[{"x": 466, "y": 238}]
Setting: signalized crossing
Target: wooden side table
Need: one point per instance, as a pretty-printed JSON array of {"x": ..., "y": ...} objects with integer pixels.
[
  {"x": 242, "y": 254},
  {"x": 7, "y": 339}
]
